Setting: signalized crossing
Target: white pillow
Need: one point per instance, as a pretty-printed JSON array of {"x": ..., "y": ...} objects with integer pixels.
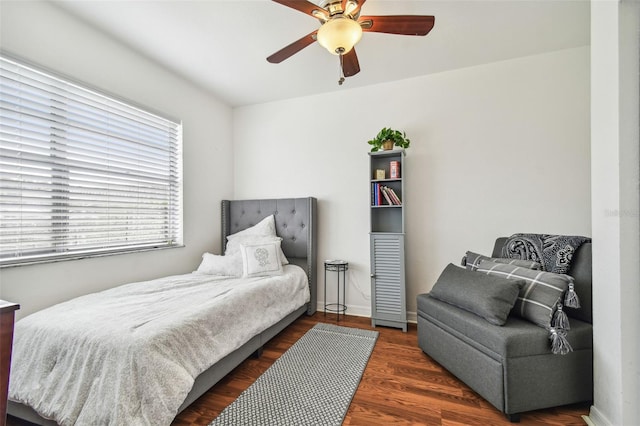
[
  {"x": 233, "y": 245},
  {"x": 266, "y": 227},
  {"x": 213, "y": 264},
  {"x": 259, "y": 260}
]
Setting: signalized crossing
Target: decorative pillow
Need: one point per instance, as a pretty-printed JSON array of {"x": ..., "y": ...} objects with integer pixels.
[
  {"x": 261, "y": 259},
  {"x": 214, "y": 264},
  {"x": 490, "y": 297},
  {"x": 233, "y": 245},
  {"x": 540, "y": 299},
  {"x": 266, "y": 227},
  {"x": 554, "y": 252},
  {"x": 540, "y": 296},
  {"x": 471, "y": 260}
]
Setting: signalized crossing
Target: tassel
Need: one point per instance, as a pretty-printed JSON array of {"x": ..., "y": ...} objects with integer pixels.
[
  {"x": 560, "y": 319},
  {"x": 559, "y": 343},
  {"x": 571, "y": 298}
]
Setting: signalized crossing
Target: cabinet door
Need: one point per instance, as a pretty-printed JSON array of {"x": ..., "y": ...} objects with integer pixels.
[{"x": 387, "y": 281}]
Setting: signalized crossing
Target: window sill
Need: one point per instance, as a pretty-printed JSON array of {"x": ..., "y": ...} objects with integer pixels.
[{"x": 80, "y": 256}]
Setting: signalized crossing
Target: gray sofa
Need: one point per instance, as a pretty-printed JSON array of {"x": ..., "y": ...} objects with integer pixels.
[{"x": 512, "y": 366}]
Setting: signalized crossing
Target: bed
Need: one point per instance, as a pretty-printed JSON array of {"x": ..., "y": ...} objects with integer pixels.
[{"x": 117, "y": 368}]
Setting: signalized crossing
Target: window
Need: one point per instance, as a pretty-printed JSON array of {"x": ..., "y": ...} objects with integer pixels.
[{"x": 82, "y": 173}]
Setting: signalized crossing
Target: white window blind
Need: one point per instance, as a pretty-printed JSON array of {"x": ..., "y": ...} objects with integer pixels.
[{"x": 82, "y": 173}]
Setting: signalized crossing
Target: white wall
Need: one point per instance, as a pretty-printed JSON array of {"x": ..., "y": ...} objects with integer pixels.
[
  {"x": 496, "y": 149},
  {"x": 615, "y": 87},
  {"x": 41, "y": 33}
]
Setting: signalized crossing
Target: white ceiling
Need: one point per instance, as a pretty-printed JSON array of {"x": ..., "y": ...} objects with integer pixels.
[{"x": 222, "y": 45}]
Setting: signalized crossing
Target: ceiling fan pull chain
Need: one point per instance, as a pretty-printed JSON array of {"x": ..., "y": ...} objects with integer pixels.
[{"x": 341, "y": 73}]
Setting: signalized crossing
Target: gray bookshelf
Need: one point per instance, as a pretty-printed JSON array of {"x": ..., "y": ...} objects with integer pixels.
[{"x": 387, "y": 233}]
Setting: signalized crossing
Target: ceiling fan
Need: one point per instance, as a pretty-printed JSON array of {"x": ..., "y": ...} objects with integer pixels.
[{"x": 342, "y": 26}]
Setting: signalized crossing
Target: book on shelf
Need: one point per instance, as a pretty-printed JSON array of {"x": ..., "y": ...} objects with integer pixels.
[
  {"x": 376, "y": 196},
  {"x": 385, "y": 193},
  {"x": 397, "y": 198},
  {"x": 394, "y": 197}
]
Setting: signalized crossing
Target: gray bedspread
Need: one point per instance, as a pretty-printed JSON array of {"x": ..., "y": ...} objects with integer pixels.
[{"x": 129, "y": 355}]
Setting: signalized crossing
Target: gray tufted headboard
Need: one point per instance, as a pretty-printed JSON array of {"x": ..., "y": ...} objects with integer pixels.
[{"x": 296, "y": 224}]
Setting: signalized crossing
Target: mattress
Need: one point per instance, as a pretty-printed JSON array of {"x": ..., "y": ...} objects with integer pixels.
[{"x": 130, "y": 354}]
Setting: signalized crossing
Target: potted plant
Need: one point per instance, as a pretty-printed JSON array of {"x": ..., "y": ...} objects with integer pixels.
[{"x": 387, "y": 138}]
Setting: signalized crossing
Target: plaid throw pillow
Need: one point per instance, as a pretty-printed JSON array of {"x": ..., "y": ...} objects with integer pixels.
[
  {"x": 541, "y": 295},
  {"x": 471, "y": 261}
]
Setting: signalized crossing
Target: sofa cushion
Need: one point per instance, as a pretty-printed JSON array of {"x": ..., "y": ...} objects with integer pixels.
[
  {"x": 517, "y": 338},
  {"x": 581, "y": 273},
  {"x": 471, "y": 261},
  {"x": 490, "y": 297}
]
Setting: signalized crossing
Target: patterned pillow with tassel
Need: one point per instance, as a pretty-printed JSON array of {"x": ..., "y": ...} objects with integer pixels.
[{"x": 541, "y": 300}]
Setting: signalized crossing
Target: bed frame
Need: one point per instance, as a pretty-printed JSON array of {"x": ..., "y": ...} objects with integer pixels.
[
  {"x": 296, "y": 224},
  {"x": 295, "y": 220}
]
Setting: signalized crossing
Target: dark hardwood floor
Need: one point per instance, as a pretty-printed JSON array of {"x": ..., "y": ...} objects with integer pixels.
[{"x": 401, "y": 385}]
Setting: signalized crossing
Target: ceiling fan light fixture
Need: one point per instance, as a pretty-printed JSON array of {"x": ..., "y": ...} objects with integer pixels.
[
  {"x": 351, "y": 6},
  {"x": 339, "y": 34},
  {"x": 320, "y": 14}
]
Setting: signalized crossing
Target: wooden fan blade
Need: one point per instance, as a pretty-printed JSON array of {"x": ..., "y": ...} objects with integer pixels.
[
  {"x": 398, "y": 24},
  {"x": 303, "y": 6},
  {"x": 293, "y": 48},
  {"x": 350, "y": 64}
]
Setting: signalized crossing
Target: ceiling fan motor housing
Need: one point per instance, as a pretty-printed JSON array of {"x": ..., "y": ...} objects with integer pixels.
[{"x": 334, "y": 7}]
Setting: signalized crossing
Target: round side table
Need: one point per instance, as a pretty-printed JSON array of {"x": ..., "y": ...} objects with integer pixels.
[{"x": 340, "y": 267}]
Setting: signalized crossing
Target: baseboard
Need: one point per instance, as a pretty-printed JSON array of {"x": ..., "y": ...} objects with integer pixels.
[
  {"x": 357, "y": 311},
  {"x": 365, "y": 311},
  {"x": 596, "y": 418}
]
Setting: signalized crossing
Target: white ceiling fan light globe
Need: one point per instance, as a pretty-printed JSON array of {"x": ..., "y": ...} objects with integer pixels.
[{"x": 339, "y": 35}]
